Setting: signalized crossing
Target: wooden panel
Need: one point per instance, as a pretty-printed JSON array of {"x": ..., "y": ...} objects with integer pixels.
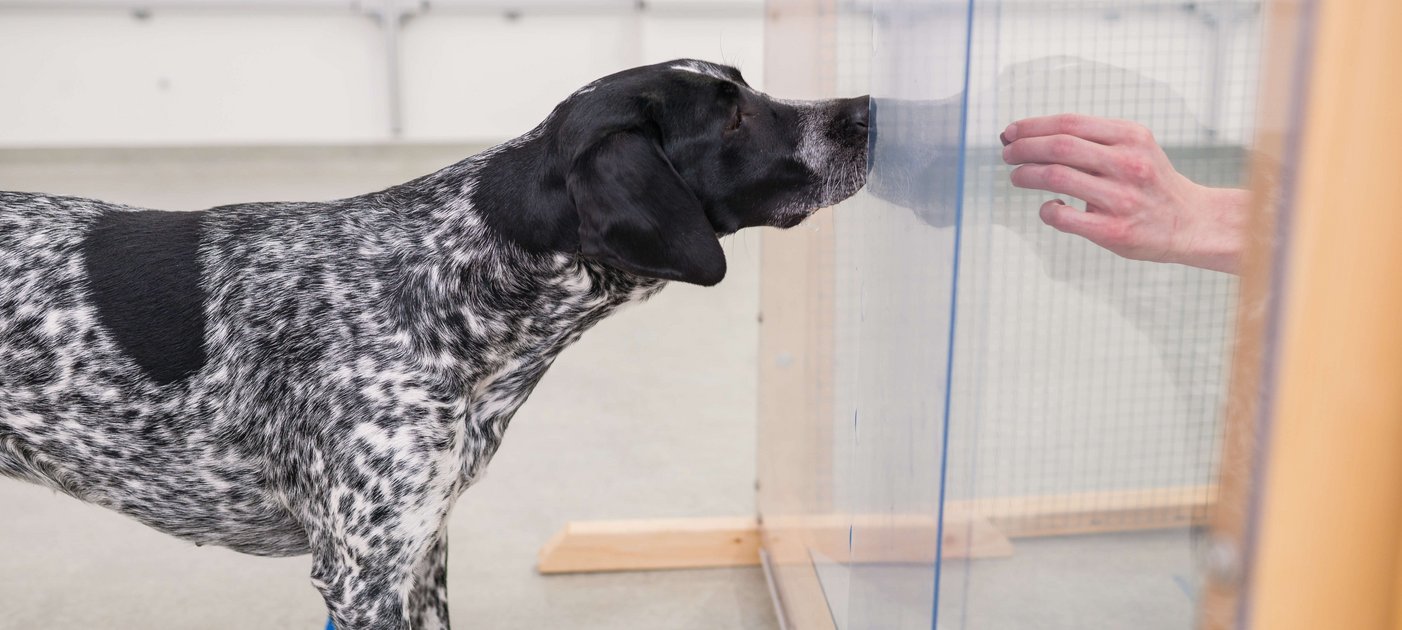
[
  {"x": 652, "y": 544},
  {"x": 796, "y": 369},
  {"x": 794, "y": 445},
  {"x": 1331, "y": 509}
]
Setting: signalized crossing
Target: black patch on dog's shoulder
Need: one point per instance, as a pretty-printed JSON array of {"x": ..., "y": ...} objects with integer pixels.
[{"x": 144, "y": 274}]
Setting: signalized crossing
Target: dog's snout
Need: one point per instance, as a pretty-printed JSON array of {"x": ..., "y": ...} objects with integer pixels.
[{"x": 856, "y": 113}]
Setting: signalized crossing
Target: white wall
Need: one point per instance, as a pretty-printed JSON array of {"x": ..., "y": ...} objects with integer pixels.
[
  {"x": 219, "y": 72},
  {"x": 241, "y": 72}
]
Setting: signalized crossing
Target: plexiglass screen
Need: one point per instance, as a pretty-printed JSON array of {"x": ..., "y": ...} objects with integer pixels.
[{"x": 1042, "y": 412}]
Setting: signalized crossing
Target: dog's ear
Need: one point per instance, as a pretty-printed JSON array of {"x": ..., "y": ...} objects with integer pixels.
[{"x": 637, "y": 214}]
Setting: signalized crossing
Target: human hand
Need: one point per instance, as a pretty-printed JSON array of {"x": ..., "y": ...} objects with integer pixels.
[{"x": 1137, "y": 204}]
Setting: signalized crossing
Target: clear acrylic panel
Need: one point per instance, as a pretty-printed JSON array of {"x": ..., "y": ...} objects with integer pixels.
[
  {"x": 855, "y": 330},
  {"x": 896, "y": 256},
  {"x": 1085, "y": 410}
]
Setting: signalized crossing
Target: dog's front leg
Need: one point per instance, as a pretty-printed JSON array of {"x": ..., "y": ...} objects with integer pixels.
[
  {"x": 365, "y": 588},
  {"x": 428, "y": 597},
  {"x": 365, "y": 560}
]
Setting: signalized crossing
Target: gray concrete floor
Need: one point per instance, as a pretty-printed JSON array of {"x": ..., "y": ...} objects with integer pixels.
[
  {"x": 1139, "y": 580},
  {"x": 650, "y": 415}
]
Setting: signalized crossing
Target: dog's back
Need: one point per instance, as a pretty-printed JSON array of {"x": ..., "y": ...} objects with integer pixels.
[
  {"x": 40, "y": 271},
  {"x": 112, "y": 419}
]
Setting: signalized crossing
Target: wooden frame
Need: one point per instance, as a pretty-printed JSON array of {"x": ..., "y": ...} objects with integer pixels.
[
  {"x": 1309, "y": 530},
  {"x": 973, "y": 529},
  {"x": 1329, "y": 525}
]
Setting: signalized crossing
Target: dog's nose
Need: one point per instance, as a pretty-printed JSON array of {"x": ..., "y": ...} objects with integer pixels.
[{"x": 856, "y": 112}]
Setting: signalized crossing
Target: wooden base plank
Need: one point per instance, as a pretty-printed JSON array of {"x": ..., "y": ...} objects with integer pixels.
[
  {"x": 981, "y": 528},
  {"x": 678, "y": 543},
  {"x": 598, "y": 546},
  {"x": 1093, "y": 512}
]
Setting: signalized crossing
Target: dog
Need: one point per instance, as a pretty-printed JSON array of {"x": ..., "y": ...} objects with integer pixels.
[{"x": 327, "y": 378}]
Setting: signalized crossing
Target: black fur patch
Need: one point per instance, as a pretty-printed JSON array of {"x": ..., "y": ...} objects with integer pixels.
[{"x": 144, "y": 271}]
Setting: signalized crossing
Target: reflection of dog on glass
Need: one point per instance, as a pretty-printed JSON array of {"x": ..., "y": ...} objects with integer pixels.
[{"x": 915, "y": 156}]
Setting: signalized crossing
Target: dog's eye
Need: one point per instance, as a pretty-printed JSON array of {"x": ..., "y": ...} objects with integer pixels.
[{"x": 736, "y": 120}]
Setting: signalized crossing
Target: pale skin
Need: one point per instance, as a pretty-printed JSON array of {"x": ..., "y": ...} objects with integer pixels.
[{"x": 1137, "y": 204}]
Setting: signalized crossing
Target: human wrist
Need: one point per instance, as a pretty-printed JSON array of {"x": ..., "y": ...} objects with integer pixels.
[{"x": 1217, "y": 236}]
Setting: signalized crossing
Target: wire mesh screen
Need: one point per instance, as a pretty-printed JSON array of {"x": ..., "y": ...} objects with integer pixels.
[
  {"x": 1056, "y": 408},
  {"x": 1111, "y": 370},
  {"x": 1088, "y": 387}
]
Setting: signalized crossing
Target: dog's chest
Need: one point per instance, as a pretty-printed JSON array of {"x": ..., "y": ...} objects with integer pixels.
[{"x": 516, "y": 350}]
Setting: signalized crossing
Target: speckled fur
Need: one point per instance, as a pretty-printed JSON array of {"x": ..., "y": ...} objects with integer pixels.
[{"x": 364, "y": 355}]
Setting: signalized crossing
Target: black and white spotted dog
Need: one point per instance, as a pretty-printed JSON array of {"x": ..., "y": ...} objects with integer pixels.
[{"x": 327, "y": 378}]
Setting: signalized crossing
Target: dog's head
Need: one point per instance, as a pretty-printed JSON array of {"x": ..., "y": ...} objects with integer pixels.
[{"x": 644, "y": 169}]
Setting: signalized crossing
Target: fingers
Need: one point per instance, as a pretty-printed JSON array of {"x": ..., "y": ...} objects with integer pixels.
[
  {"x": 1096, "y": 228},
  {"x": 1059, "y": 149},
  {"x": 1063, "y": 179},
  {"x": 1106, "y": 131}
]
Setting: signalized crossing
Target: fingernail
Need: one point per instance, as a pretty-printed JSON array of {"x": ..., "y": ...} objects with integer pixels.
[
  {"x": 1003, "y": 137},
  {"x": 1011, "y": 130}
]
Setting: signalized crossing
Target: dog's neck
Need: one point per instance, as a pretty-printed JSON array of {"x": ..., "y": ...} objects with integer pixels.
[
  {"x": 486, "y": 313},
  {"x": 488, "y": 309},
  {"x": 518, "y": 189}
]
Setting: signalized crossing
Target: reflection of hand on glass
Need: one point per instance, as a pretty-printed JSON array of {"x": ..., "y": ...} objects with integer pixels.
[{"x": 1137, "y": 205}]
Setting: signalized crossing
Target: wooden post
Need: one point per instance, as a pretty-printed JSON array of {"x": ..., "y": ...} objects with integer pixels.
[
  {"x": 794, "y": 449},
  {"x": 1330, "y": 521}
]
